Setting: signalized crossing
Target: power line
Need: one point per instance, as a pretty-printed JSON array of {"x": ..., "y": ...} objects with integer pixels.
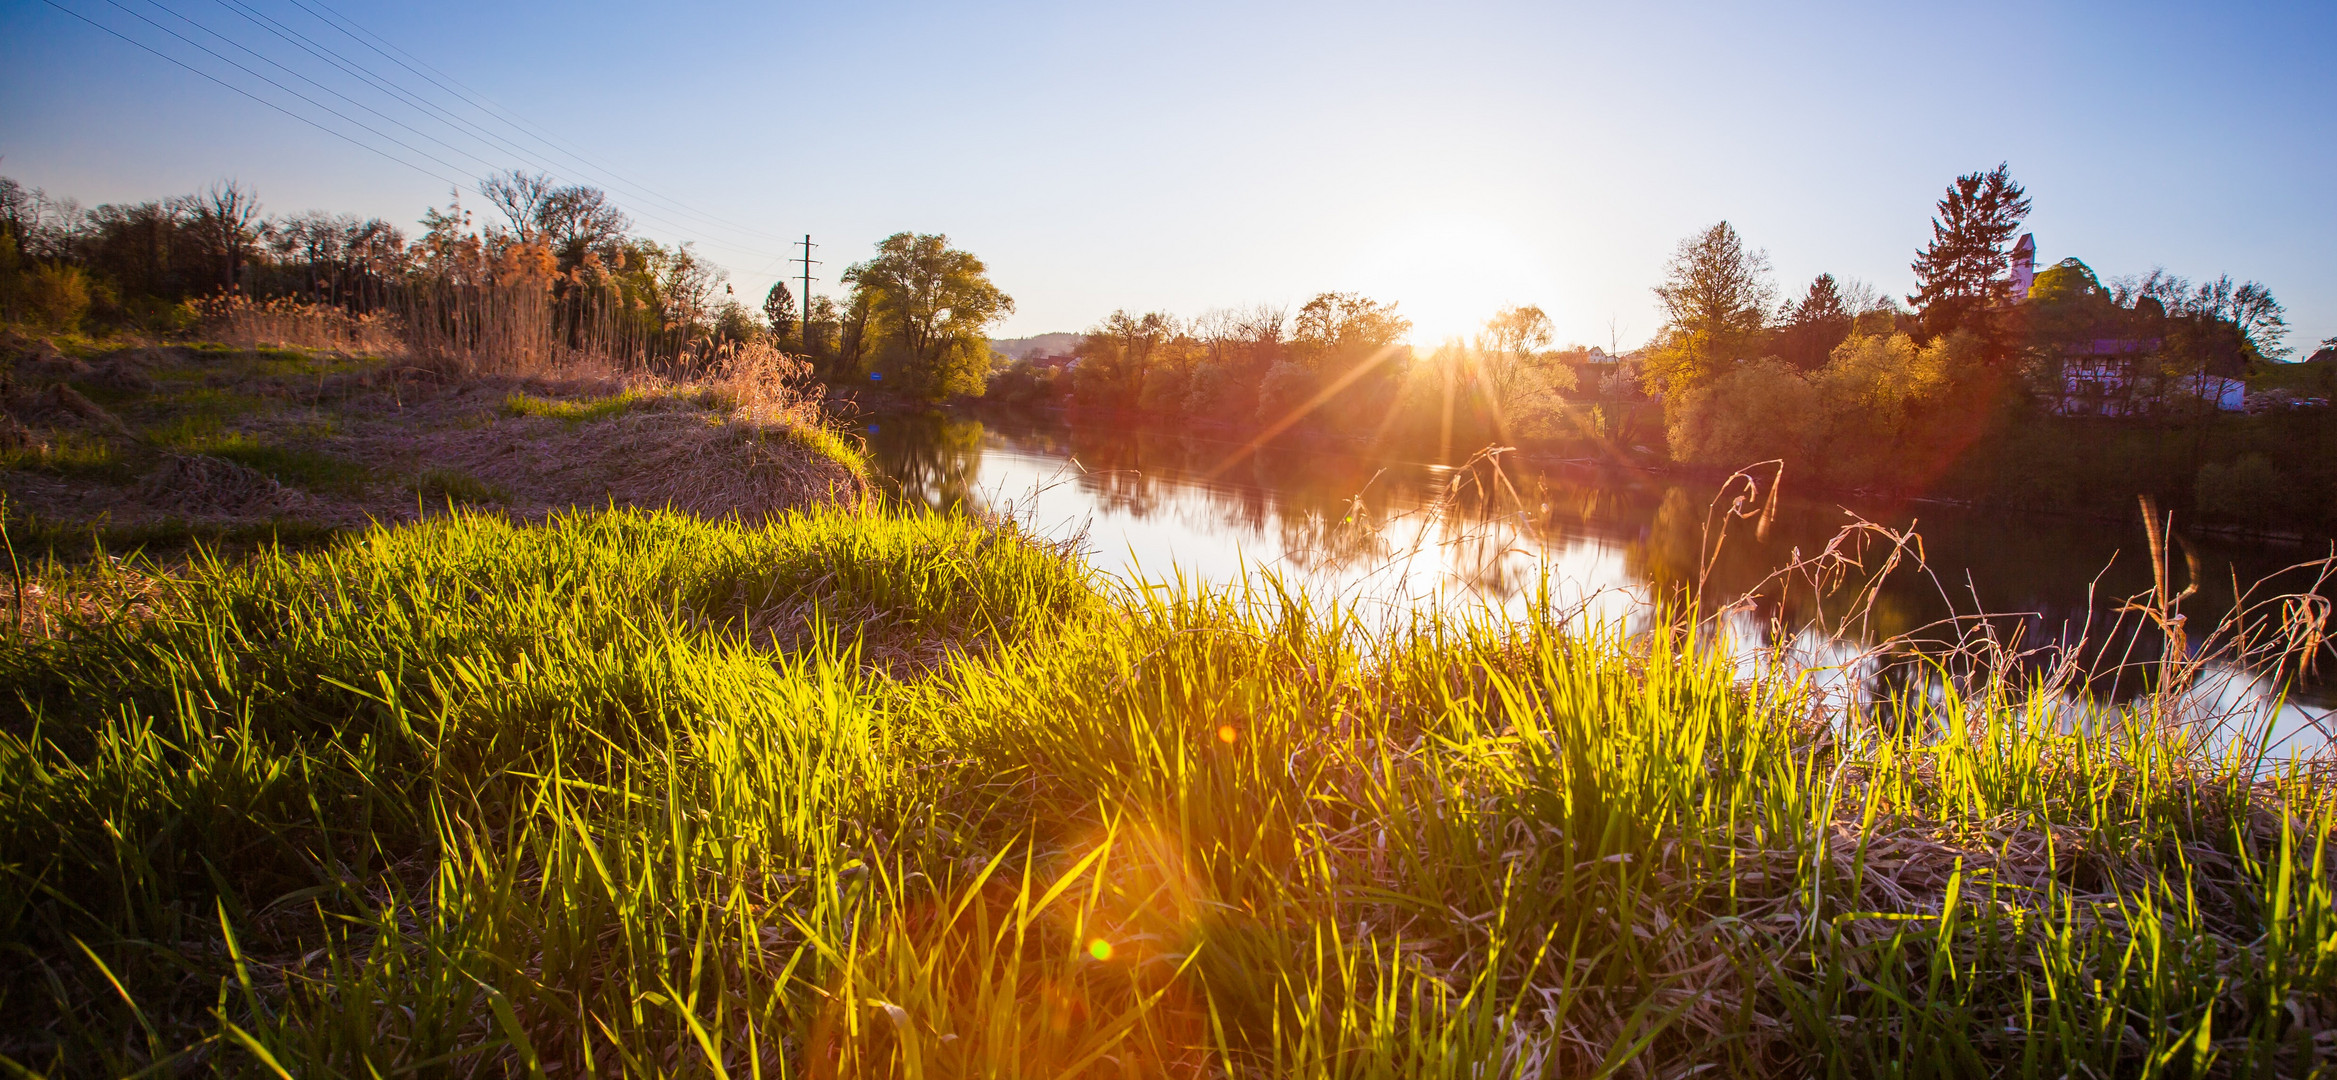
[
  {"x": 278, "y": 85},
  {"x": 365, "y": 74},
  {"x": 379, "y": 82},
  {"x": 255, "y": 97},
  {"x": 273, "y": 62},
  {"x": 349, "y": 28}
]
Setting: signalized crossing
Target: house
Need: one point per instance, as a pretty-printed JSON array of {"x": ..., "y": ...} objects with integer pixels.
[{"x": 2100, "y": 359}]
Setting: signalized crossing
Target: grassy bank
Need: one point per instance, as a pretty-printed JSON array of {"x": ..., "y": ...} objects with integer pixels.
[
  {"x": 852, "y": 794},
  {"x": 161, "y": 446}
]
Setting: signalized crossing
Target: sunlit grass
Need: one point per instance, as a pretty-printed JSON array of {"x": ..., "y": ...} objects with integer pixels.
[
  {"x": 862, "y": 794},
  {"x": 70, "y": 453},
  {"x": 578, "y": 410}
]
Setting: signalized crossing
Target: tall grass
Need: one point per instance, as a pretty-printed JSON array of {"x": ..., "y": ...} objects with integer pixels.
[
  {"x": 242, "y": 322},
  {"x": 856, "y": 794}
]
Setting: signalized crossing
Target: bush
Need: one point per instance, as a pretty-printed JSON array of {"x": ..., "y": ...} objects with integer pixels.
[
  {"x": 58, "y": 296},
  {"x": 1760, "y": 411},
  {"x": 2247, "y": 490},
  {"x": 1286, "y": 389}
]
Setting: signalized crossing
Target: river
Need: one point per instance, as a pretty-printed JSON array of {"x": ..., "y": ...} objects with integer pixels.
[{"x": 1598, "y": 543}]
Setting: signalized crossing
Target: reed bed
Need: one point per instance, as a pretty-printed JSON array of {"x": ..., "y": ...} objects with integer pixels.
[
  {"x": 288, "y": 323},
  {"x": 862, "y": 793}
]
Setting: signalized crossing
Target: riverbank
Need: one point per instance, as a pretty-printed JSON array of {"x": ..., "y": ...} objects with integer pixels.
[
  {"x": 2243, "y": 475},
  {"x": 139, "y": 443},
  {"x": 861, "y": 793}
]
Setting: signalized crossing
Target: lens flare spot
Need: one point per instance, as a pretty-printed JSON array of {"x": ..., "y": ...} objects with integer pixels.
[
  {"x": 1226, "y": 733},
  {"x": 1100, "y": 949}
]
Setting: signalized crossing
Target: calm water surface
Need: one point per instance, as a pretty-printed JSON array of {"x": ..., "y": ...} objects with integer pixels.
[{"x": 1391, "y": 535}]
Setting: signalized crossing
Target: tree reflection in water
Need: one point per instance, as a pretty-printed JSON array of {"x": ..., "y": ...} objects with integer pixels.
[{"x": 1404, "y": 533}]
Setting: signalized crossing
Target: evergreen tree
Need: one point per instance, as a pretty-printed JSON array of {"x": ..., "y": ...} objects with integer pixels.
[
  {"x": 1815, "y": 324},
  {"x": 779, "y": 311},
  {"x": 1966, "y": 270}
]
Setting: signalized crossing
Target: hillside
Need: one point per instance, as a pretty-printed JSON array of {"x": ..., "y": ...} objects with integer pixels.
[
  {"x": 161, "y": 443},
  {"x": 1023, "y": 348}
]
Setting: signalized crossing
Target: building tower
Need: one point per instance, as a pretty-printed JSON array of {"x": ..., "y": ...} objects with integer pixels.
[{"x": 2024, "y": 267}]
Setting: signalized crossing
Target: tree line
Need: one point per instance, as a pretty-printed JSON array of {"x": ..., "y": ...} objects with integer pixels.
[{"x": 541, "y": 266}]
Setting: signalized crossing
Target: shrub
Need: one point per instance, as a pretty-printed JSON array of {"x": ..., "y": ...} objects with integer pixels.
[
  {"x": 2248, "y": 490},
  {"x": 58, "y": 296},
  {"x": 1759, "y": 411},
  {"x": 1286, "y": 389}
]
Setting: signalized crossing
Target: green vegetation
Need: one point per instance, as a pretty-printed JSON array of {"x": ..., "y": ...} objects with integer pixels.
[
  {"x": 455, "y": 485},
  {"x": 572, "y": 410},
  {"x": 854, "y": 794}
]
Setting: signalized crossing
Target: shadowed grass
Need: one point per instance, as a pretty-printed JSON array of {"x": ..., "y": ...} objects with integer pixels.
[{"x": 624, "y": 793}]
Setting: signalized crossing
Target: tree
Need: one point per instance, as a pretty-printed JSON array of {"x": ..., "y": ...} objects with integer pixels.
[
  {"x": 779, "y": 311},
  {"x": 521, "y": 197},
  {"x": 226, "y": 221},
  {"x": 576, "y": 221},
  {"x": 1335, "y": 331},
  {"x": 1350, "y": 354},
  {"x": 2260, "y": 318},
  {"x": 928, "y": 307},
  {"x": 1966, "y": 270},
  {"x": 1815, "y": 324},
  {"x": 1117, "y": 354},
  {"x": 1716, "y": 298},
  {"x": 1514, "y": 339}
]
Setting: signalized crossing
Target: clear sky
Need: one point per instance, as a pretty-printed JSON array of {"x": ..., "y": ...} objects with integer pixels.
[{"x": 1452, "y": 157}]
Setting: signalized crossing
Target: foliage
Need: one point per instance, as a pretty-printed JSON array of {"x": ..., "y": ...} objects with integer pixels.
[
  {"x": 57, "y": 295},
  {"x": 1870, "y": 416},
  {"x": 2248, "y": 490},
  {"x": 1116, "y": 355},
  {"x": 1965, "y": 270},
  {"x": 928, "y": 305},
  {"x": 1756, "y": 412},
  {"x": 1814, "y": 324},
  {"x": 858, "y": 795},
  {"x": 1716, "y": 297},
  {"x": 779, "y": 311}
]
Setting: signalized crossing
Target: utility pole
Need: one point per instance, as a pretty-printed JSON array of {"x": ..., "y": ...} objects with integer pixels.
[{"x": 808, "y": 262}]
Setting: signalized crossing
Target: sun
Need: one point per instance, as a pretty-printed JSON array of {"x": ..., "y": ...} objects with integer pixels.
[{"x": 1450, "y": 271}]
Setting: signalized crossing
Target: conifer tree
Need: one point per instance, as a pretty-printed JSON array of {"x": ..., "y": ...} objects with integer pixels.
[
  {"x": 1966, "y": 269},
  {"x": 1815, "y": 324},
  {"x": 779, "y": 311}
]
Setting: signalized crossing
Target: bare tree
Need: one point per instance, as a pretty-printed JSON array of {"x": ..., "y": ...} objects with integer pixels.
[
  {"x": 521, "y": 197},
  {"x": 228, "y": 220}
]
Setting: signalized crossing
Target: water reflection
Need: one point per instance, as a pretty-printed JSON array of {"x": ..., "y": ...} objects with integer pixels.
[{"x": 1607, "y": 544}]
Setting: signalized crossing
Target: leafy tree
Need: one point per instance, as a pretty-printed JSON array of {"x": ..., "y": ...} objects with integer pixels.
[
  {"x": 1521, "y": 379},
  {"x": 1336, "y": 330},
  {"x": 1117, "y": 355},
  {"x": 1815, "y": 324},
  {"x": 1967, "y": 270},
  {"x": 1716, "y": 297},
  {"x": 578, "y": 222},
  {"x": 779, "y": 311},
  {"x": 928, "y": 307},
  {"x": 1350, "y": 347}
]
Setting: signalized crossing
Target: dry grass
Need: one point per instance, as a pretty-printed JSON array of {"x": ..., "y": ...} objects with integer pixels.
[
  {"x": 145, "y": 439},
  {"x": 286, "y": 323}
]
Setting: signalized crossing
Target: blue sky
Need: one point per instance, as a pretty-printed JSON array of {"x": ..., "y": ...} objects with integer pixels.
[{"x": 1451, "y": 157}]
